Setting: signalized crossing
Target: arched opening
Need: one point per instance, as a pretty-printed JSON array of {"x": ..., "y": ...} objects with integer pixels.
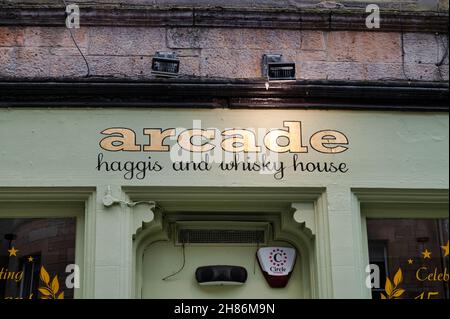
[{"x": 166, "y": 262}]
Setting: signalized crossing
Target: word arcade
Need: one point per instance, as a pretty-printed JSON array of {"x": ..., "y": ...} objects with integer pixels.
[{"x": 289, "y": 139}]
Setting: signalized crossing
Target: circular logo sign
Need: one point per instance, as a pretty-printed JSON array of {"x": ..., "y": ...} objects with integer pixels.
[{"x": 278, "y": 257}]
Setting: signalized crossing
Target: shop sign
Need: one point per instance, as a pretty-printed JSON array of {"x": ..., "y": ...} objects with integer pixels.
[{"x": 240, "y": 150}]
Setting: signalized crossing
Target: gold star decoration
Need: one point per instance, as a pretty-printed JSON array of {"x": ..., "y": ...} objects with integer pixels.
[
  {"x": 30, "y": 259},
  {"x": 426, "y": 254},
  {"x": 12, "y": 252},
  {"x": 445, "y": 248},
  {"x": 410, "y": 261}
]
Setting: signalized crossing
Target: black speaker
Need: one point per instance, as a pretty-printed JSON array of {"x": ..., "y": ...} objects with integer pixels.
[{"x": 221, "y": 275}]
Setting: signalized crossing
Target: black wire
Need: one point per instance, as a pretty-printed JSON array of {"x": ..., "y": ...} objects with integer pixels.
[
  {"x": 182, "y": 267},
  {"x": 88, "y": 74},
  {"x": 441, "y": 62},
  {"x": 256, "y": 258},
  {"x": 444, "y": 56}
]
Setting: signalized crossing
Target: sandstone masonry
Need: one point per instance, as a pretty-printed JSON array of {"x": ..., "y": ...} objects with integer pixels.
[{"x": 126, "y": 52}]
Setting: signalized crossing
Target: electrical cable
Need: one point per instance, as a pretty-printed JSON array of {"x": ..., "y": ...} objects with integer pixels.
[
  {"x": 182, "y": 266},
  {"x": 444, "y": 56},
  {"x": 88, "y": 73},
  {"x": 256, "y": 258}
]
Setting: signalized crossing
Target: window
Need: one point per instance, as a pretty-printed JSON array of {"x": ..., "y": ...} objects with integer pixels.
[
  {"x": 378, "y": 256},
  {"x": 415, "y": 248},
  {"x": 34, "y": 254}
]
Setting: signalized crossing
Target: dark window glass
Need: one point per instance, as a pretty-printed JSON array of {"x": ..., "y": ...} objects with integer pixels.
[
  {"x": 33, "y": 252},
  {"x": 416, "y": 250}
]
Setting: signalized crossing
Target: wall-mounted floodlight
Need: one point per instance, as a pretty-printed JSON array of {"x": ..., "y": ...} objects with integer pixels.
[
  {"x": 274, "y": 69},
  {"x": 165, "y": 64}
]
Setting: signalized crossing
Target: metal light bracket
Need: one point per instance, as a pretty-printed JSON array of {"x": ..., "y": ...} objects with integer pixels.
[
  {"x": 274, "y": 69},
  {"x": 165, "y": 64}
]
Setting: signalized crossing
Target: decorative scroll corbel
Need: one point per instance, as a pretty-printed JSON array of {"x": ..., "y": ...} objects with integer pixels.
[
  {"x": 143, "y": 212},
  {"x": 142, "y": 215},
  {"x": 304, "y": 215}
]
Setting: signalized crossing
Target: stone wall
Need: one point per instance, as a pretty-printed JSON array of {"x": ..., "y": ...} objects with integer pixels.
[{"x": 126, "y": 52}]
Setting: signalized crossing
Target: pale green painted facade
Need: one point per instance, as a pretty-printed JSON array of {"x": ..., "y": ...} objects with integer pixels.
[{"x": 397, "y": 167}]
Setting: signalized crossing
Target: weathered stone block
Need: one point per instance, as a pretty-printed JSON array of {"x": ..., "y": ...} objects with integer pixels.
[
  {"x": 313, "y": 40},
  {"x": 142, "y": 66},
  {"x": 189, "y": 66},
  {"x": 349, "y": 46},
  {"x": 67, "y": 66},
  {"x": 346, "y": 71},
  {"x": 230, "y": 63},
  {"x": 7, "y": 61},
  {"x": 312, "y": 70},
  {"x": 332, "y": 71},
  {"x": 423, "y": 47},
  {"x": 311, "y": 56},
  {"x": 265, "y": 39},
  {"x": 426, "y": 72},
  {"x": 54, "y": 37},
  {"x": 31, "y": 62},
  {"x": 11, "y": 36},
  {"x": 126, "y": 41},
  {"x": 253, "y": 39},
  {"x": 113, "y": 66},
  {"x": 384, "y": 71},
  {"x": 184, "y": 38}
]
